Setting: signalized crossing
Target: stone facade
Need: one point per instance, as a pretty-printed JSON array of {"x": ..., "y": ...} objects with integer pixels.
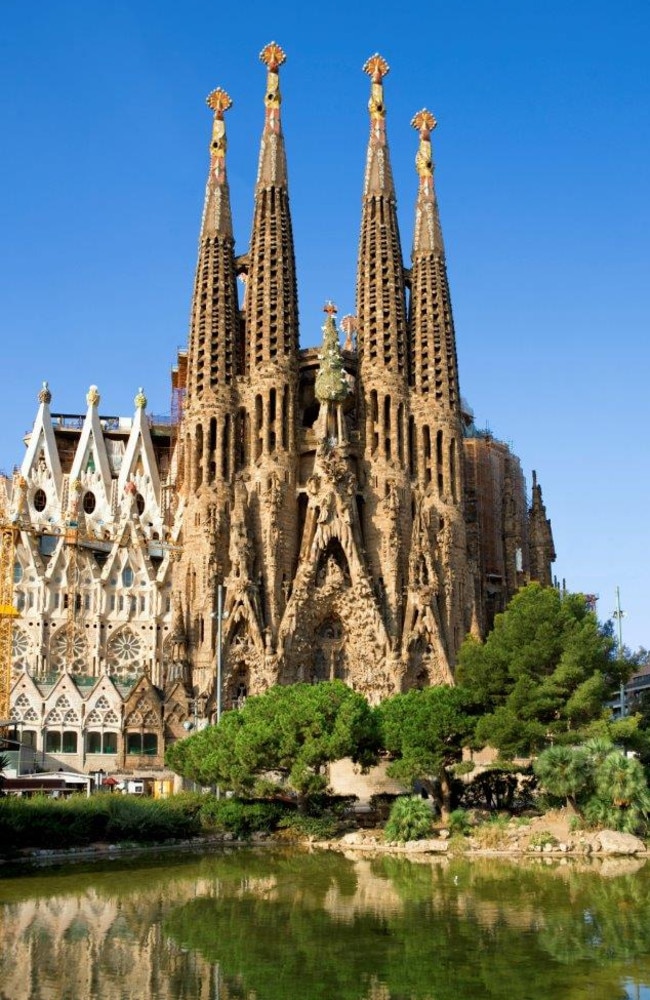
[
  {"x": 359, "y": 525},
  {"x": 326, "y": 490}
]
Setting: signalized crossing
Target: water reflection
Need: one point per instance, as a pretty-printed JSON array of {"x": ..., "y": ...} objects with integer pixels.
[{"x": 272, "y": 926}]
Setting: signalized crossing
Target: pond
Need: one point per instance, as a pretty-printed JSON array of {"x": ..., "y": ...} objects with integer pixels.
[{"x": 266, "y": 924}]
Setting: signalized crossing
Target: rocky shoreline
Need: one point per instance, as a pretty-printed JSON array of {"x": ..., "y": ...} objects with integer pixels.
[
  {"x": 515, "y": 843},
  {"x": 601, "y": 842}
]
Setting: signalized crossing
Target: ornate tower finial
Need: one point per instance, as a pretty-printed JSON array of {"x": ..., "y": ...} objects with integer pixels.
[
  {"x": 140, "y": 399},
  {"x": 219, "y": 101},
  {"x": 330, "y": 308},
  {"x": 377, "y": 68},
  {"x": 273, "y": 57},
  {"x": 425, "y": 123},
  {"x": 45, "y": 396},
  {"x": 92, "y": 396}
]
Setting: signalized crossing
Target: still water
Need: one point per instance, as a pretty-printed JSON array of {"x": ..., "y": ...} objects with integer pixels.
[{"x": 273, "y": 925}]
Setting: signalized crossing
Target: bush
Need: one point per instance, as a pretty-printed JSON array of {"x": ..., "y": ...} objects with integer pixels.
[
  {"x": 42, "y": 822},
  {"x": 491, "y": 834},
  {"x": 410, "y": 819},
  {"x": 243, "y": 817},
  {"x": 459, "y": 822},
  {"x": 319, "y": 827},
  {"x": 542, "y": 839}
]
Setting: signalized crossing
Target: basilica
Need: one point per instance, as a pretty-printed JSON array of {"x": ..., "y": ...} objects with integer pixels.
[{"x": 301, "y": 514}]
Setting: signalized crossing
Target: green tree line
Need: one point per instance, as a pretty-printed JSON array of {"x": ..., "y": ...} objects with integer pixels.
[{"x": 540, "y": 680}]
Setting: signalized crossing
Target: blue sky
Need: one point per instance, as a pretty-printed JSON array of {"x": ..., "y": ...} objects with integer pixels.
[{"x": 542, "y": 155}]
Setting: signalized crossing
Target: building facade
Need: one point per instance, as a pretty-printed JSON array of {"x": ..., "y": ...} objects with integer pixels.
[{"x": 357, "y": 523}]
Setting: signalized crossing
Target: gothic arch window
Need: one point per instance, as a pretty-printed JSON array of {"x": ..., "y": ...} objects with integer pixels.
[
  {"x": 62, "y": 714},
  {"x": 124, "y": 654},
  {"x": 23, "y": 710},
  {"x": 89, "y": 502},
  {"x": 140, "y": 504}
]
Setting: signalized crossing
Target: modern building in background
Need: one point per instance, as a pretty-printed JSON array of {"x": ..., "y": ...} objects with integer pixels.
[{"x": 341, "y": 500}]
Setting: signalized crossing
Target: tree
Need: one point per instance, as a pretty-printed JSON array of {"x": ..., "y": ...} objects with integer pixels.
[
  {"x": 425, "y": 732},
  {"x": 543, "y": 674},
  {"x": 599, "y": 781},
  {"x": 291, "y": 731},
  {"x": 621, "y": 798},
  {"x": 565, "y": 772}
]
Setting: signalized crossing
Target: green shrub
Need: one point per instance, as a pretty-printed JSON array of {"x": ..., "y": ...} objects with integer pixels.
[
  {"x": 491, "y": 834},
  {"x": 410, "y": 819},
  {"x": 319, "y": 827},
  {"x": 242, "y": 817},
  {"x": 543, "y": 839},
  {"x": 45, "y": 823},
  {"x": 459, "y": 822}
]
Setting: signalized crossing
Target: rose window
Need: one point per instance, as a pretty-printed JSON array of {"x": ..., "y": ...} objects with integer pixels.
[
  {"x": 73, "y": 653},
  {"x": 124, "y": 653},
  {"x": 20, "y": 644}
]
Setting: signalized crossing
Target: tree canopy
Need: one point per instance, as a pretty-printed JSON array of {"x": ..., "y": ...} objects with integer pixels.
[
  {"x": 425, "y": 732},
  {"x": 543, "y": 674},
  {"x": 292, "y": 731}
]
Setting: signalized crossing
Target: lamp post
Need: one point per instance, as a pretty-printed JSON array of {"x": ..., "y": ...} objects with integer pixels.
[
  {"x": 219, "y": 648},
  {"x": 220, "y": 617},
  {"x": 618, "y": 615}
]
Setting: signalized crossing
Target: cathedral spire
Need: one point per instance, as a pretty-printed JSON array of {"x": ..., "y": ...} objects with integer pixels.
[
  {"x": 217, "y": 219},
  {"x": 271, "y": 293},
  {"x": 381, "y": 298},
  {"x": 214, "y": 317},
  {"x": 434, "y": 367},
  {"x": 542, "y": 548}
]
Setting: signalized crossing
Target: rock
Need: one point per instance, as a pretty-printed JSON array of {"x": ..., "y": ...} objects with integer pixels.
[
  {"x": 612, "y": 842},
  {"x": 548, "y": 848},
  {"x": 444, "y": 834},
  {"x": 563, "y": 848},
  {"x": 426, "y": 846},
  {"x": 356, "y": 837}
]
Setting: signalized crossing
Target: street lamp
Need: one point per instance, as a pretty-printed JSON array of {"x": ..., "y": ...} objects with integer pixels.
[
  {"x": 220, "y": 616},
  {"x": 618, "y": 615}
]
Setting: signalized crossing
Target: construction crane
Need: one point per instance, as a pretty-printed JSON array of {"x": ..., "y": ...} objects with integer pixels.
[{"x": 9, "y": 534}]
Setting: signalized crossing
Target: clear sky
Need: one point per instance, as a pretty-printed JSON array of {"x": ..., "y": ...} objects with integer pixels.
[{"x": 542, "y": 155}]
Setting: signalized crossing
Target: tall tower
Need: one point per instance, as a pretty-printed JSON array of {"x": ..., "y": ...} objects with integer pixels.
[
  {"x": 266, "y": 421},
  {"x": 435, "y": 430},
  {"x": 542, "y": 548},
  {"x": 383, "y": 364},
  {"x": 207, "y": 454}
]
